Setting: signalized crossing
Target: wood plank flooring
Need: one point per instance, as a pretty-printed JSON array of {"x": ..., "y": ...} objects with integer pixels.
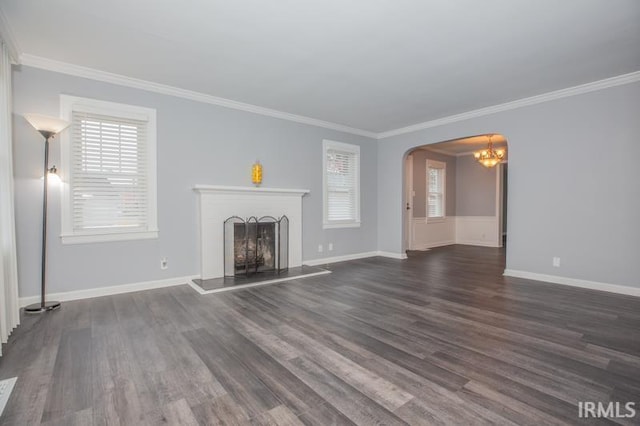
[{"x": 440, "y": 338}]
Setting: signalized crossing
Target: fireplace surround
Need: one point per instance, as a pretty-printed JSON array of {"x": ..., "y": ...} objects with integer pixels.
[{"x": 216, "y": 203}]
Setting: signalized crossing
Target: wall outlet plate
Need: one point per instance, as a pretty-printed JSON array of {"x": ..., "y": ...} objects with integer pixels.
[{"x": 164, "y": 263}]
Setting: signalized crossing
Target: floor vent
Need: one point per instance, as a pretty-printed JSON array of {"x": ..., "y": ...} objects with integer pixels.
[{"x": 6, "y": 386}]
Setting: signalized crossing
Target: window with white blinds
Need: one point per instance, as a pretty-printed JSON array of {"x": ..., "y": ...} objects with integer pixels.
[
  {"x": 436, "y": 176},
  {"x": 109, "y": 170},
  {"x": 341, "y": 170}
]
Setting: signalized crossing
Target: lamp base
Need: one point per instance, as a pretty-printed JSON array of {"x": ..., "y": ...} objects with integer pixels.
[{"x": 37, "y": 308}]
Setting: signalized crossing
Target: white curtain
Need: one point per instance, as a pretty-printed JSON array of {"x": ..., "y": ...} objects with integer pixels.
[{"x": 9, "y": 308}]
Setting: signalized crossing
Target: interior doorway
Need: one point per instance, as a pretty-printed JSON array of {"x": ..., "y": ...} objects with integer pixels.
[
  {"x": 451, "y": 197},
  {"x": 408, "y": 207}
]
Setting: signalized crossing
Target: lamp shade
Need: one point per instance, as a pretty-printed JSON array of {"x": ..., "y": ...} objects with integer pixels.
[{"x": 44, "y": 123}]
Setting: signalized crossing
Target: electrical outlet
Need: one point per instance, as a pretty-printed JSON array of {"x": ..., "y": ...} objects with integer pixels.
[
  {"x": 330, "y": 246},
  {"x": 164, "y": 263},
  {"x": 320, "y": 248},
  {"x": 556, "y": 262}
]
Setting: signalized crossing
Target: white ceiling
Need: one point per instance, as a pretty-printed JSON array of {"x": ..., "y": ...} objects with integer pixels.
[{"x": 375, "y": 65}]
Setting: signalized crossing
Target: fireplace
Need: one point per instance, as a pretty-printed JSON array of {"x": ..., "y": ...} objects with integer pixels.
[
  {"x": 253, "y": 246},
  {"x": 217, "y": 203}
]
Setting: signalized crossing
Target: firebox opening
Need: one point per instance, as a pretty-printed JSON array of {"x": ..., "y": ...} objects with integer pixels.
[{"x": 255, "y": 245}]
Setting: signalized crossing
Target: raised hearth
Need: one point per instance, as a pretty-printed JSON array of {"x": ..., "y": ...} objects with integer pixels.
[{"x": 216, "y": 285}]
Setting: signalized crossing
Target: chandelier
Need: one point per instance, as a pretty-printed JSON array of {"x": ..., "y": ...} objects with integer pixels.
[{"x": 489, "y": 157}]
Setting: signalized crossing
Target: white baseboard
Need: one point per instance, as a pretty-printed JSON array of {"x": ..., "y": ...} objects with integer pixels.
[
  {"x": 477, "y": 243},
  {"x": 392, "y": 255},
  {"x": 335, "y": 259},
  {"x": 591, "y": 285},
  {"x": 428, "y": 246},
  {"x": 355, "y": 256},
  {"x": 170, "y": 282},
  {"x": 108, "y": 291}
]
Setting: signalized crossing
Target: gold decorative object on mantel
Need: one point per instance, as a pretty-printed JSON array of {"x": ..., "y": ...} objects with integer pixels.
[{"x": 256, "y": 173}]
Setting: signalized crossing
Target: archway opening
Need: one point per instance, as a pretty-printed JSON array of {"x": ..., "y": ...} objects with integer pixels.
[{"x": 452, "y": 197}]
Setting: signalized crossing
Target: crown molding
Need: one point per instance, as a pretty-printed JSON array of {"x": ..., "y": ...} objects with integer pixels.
[
  {"x": 121, "y": 80},
  {"x": 9, "y": 39},
  {"x": 545, "y": 97}
]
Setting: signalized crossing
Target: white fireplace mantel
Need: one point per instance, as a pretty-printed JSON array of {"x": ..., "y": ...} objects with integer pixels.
[
  {"x": 218, "y": 202},
  {"x": 248, "y": 189}
]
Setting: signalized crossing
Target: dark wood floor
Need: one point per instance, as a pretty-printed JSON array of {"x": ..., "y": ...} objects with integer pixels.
[{"x": 441, "y": 338}]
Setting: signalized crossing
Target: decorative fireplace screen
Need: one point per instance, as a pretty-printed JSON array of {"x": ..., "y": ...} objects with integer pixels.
[{"x": 255, "y": 245}]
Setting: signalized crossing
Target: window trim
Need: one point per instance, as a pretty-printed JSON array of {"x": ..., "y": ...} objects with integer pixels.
[
  {"x": 68, "y": 104},
  {"x": 434, "y": 164},
  {"x": 354, "y": 149}
]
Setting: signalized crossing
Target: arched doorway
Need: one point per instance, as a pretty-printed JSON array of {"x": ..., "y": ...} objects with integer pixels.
[{"x": 450, "y": 197}]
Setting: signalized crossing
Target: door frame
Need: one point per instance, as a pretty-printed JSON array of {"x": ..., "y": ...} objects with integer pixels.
[
  {"x": 408, "y": 202},
  {"x": 500, "y": 199}
]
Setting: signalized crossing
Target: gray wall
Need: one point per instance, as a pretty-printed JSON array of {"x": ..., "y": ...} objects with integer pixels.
[
  {"x": 475, "y": 188},
  {"x": 197, "y": 144},
  {"x": 555, "y": 206},
  {"x": 420, "y": 157}
]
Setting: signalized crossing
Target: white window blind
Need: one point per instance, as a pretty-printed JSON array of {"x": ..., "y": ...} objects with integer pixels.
[
  {"x": 342, "y": 186},
  {"x": 109, "y": 166},
  {"x": 109, "y": 173},
  {"x": 436, "y": 189}
]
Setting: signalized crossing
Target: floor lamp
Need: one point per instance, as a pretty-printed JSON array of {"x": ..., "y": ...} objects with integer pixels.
[{"x": 48, "y": 127}]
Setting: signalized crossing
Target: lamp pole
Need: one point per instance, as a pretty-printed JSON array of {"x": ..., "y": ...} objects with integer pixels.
[
  {"x": 48, "y": 128},
  {"x": 44, "y": 306}
]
